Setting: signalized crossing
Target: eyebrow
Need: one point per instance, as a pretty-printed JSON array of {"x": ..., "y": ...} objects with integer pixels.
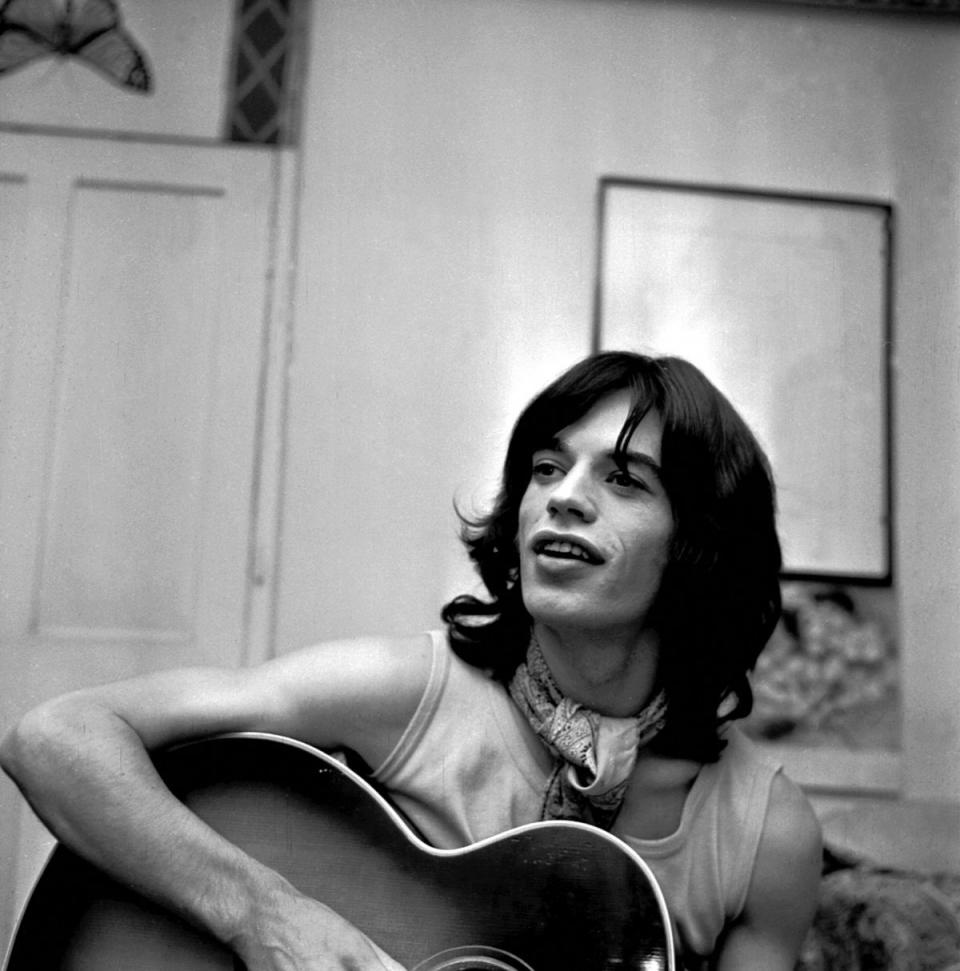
[
  {"x": 639, "y": 458},
  {"x": 625, "y": 456}
]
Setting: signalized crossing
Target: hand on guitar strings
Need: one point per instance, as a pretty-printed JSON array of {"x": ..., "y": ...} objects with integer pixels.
[{"x": 293, "y": 932}]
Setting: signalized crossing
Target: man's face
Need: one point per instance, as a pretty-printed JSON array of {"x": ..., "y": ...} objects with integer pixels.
[{"x": 594, "y": 535}]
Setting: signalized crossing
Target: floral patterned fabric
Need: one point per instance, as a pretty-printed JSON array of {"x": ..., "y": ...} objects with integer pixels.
[
  {"x": 874, "y": 919},
  {"x": 595, "y": 753}
]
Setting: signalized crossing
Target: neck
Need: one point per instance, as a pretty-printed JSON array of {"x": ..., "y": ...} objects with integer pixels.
[{"x": 614, "y": 675}]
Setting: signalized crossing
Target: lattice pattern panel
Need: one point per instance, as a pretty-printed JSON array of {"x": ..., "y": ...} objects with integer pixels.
[{"x": 266, "y": 71}]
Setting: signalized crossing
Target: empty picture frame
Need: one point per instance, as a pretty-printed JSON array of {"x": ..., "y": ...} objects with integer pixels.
[{"x": 783, "y": 301}]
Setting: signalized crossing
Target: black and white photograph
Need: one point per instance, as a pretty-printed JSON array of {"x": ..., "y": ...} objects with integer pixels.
[{"x": 479, "y": 485}]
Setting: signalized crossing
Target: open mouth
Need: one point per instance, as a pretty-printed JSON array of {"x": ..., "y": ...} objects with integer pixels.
[{"x": 563, "y": 549}]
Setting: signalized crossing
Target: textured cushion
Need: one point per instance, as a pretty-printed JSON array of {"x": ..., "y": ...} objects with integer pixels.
[{"x": 875, "y": 919}]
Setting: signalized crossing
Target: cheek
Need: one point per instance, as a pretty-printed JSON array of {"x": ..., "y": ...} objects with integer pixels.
[
  {"x": 664, "y": 544},
  {"x": 651, "y": 552},
  {"x": 526, "y": 512},
  {"x": 525, "y": 525}
]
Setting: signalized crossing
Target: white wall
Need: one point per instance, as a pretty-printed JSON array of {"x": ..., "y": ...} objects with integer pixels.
[{"x": 452, "y": 152}]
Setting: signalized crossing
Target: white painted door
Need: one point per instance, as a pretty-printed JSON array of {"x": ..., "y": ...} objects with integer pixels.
[{"x": 135, "y": 294}]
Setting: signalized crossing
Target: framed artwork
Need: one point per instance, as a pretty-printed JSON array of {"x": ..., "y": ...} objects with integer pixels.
[{"x": 784, "y": 302}]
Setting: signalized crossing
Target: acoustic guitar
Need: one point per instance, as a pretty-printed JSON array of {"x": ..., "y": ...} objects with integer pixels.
[{"x": 550, "y": 896}]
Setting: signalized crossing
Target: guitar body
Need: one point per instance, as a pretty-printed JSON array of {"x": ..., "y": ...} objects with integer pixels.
[{"x": 545, "y": 897}]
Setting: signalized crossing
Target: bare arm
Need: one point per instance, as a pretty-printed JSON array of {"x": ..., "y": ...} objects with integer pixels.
[
  {"x": 82, "y": 761},
  {"x": 784, "y": 890}
]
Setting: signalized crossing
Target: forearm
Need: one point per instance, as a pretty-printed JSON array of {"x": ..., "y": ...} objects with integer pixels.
[{"x": 104, "y": 799}]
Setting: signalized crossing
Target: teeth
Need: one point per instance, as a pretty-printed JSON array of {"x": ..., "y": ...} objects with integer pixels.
[{"x": 564, "y": 548}]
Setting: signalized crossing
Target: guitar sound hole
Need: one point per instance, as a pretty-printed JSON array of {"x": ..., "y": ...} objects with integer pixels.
[{"x": 473, "y": 959}]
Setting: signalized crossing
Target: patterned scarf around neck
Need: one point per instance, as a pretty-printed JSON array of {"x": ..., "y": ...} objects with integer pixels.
[{"x": 595, "y": 753}]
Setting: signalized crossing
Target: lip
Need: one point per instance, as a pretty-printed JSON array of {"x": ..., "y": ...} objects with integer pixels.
[{"x": 544, "y": 536}]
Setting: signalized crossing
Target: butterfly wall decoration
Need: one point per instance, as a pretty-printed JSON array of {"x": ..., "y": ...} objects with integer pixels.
[{"x": 89, "y": 30}]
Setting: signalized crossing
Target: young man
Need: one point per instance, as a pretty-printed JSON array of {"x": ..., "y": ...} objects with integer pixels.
[{"x": 632, "y": 567}]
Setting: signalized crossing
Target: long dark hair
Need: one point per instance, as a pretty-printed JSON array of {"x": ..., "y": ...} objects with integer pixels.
[{"x": 719, "y": 597}]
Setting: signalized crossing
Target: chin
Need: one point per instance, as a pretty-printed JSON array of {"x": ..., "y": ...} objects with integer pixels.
[
  {"x": 561, "y": 611},
  {"x": 556, "y": 612}
]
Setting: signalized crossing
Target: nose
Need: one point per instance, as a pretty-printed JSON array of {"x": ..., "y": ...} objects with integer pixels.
[{"x": 571, "y": 496}]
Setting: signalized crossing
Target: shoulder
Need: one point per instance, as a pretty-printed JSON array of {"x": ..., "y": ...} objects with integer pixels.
[
  {"x": 788, "y": 847},
  {"x": 791, "y": 834},
  {"x": 784, "y": 888}
]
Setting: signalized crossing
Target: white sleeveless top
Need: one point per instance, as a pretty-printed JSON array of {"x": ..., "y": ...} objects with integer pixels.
[{"x": 468, "y": 766}]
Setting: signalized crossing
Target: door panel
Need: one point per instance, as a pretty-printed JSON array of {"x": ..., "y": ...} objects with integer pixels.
[{"x": 134, "y": 282}]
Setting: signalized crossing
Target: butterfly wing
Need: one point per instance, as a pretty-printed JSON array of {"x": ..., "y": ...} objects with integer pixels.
[
  {"x": 87, "y": 29},
  {"x": 115, "y": 54},
  {"x": 87, "y": 20},
  {"x": 28, "y": 29},
  {"x": 96, "y": 37},
  {"x": 17, "y": 47},
  {"x": 38, "y": 19}
]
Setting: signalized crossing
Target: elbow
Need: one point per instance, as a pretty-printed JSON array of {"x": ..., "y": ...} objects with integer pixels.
[
  {"x": 39, "y": 741},
  {"x": 18, "y": 742}
]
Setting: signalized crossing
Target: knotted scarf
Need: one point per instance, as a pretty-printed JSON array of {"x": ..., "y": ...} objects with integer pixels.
[{"x": 595, "y": 753}]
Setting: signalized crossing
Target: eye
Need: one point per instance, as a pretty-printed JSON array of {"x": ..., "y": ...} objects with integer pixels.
[
  {"x": 545, "y": 469},
  {"x": 623, "y": 479}
]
